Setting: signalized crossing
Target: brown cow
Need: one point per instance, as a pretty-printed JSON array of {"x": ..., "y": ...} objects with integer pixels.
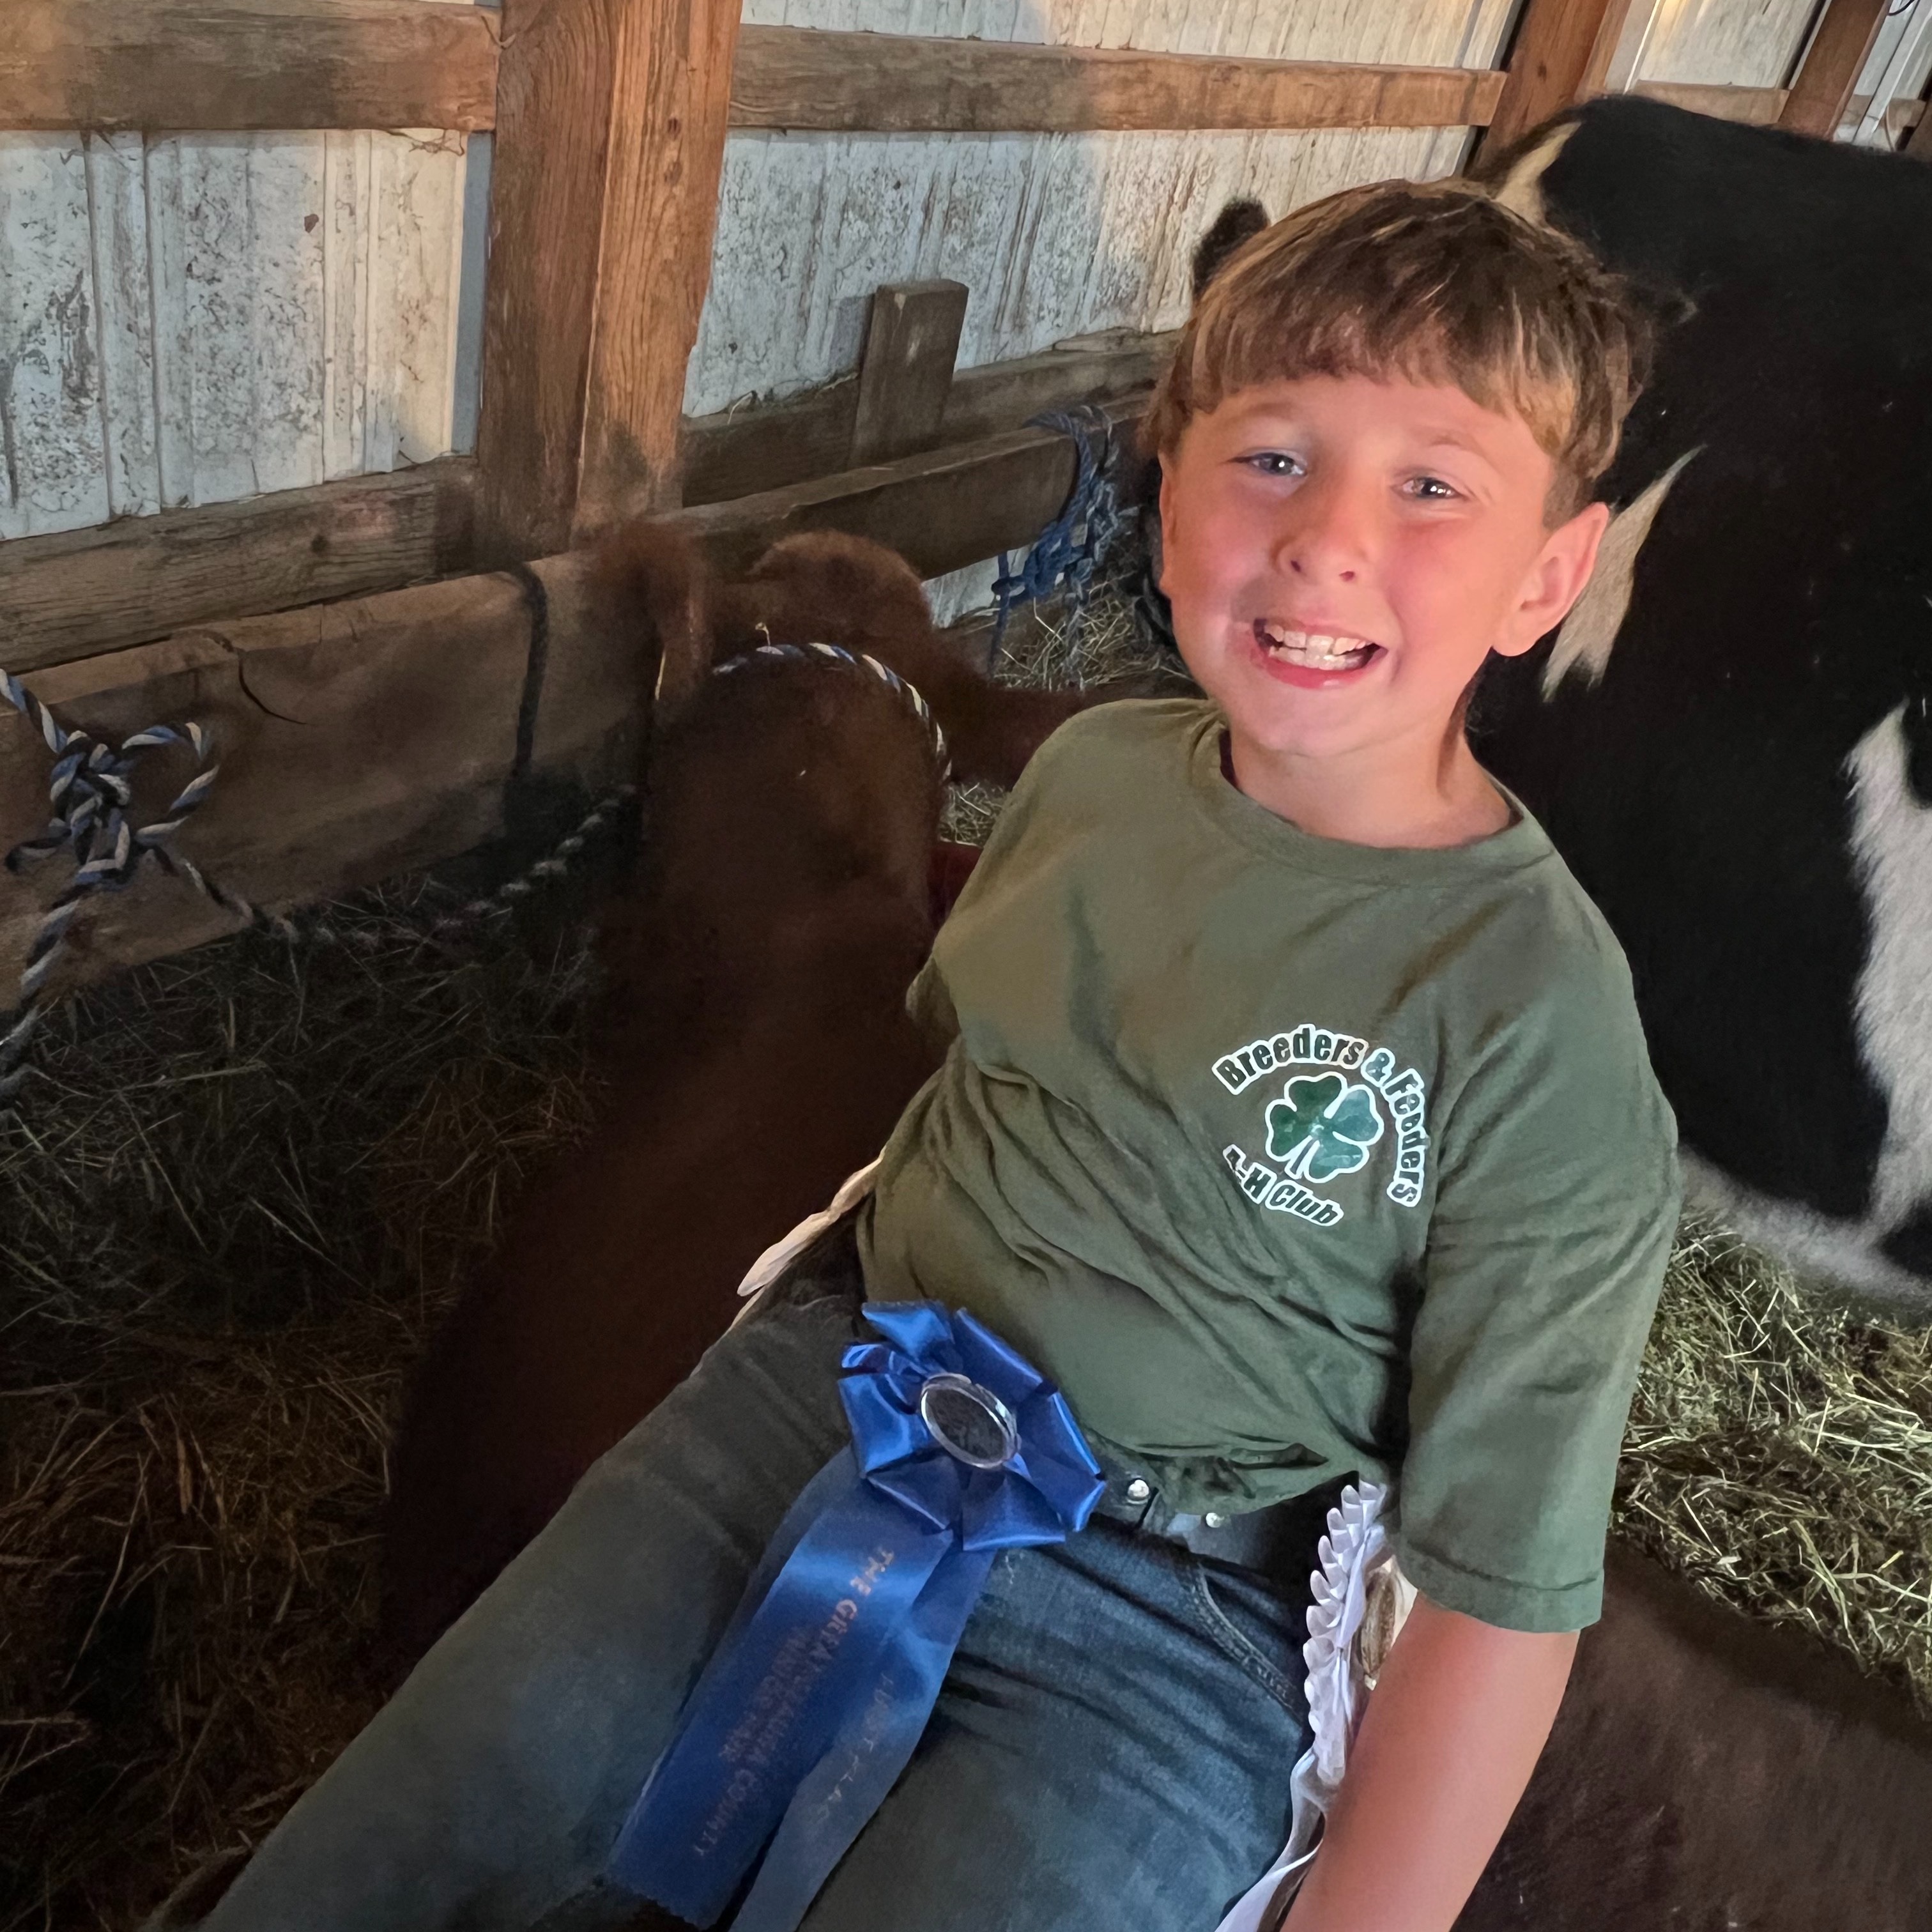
[
  {"x": 752, "y": 1029},
  {"x": 1711, "y": 1774}
]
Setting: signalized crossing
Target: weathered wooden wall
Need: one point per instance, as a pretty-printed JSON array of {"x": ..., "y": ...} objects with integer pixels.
[
  {"x": 1895, "y": 74},
  {"x": 189, "y": 319},
  {"x": 1727, "y": 42},
  {"x": 1055, "y": 234}
]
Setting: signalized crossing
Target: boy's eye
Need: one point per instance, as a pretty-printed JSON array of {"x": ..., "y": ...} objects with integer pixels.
[
  {"x": 1433, "y": 490},
  {"x": 1274, "y": 463}
]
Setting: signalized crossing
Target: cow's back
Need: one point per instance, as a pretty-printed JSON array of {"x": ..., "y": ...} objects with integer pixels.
[{"x": 1711, "y": 1773}]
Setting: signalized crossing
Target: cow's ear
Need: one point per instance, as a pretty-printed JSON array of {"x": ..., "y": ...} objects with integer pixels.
[{"x": 1583, "y": 647}]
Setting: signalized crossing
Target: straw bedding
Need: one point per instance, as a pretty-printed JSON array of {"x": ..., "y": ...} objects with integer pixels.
[{"x": 245, "y": 1185}]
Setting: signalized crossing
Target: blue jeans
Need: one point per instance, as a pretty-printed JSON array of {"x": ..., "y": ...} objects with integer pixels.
[{"x": 1111, "y": 1748}]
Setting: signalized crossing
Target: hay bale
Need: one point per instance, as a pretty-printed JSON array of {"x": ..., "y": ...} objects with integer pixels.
[
  {"x": 243, "y": 1187},
  {"x": 1780, "y": 1456}
]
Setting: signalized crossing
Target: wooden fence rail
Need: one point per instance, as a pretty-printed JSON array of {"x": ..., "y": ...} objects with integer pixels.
[
  {"x": 219, "y": 66},
  {"x": 362, "y": 738},
  {"x": 801, "y": 78}
]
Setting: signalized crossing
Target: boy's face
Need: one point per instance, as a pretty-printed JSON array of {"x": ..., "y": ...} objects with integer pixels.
[{"x": 1342, "y": 554}]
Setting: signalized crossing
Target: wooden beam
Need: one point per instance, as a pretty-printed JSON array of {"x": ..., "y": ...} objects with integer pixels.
[
  {"x": 1919, "y": 142},
  {"x": 357, "y": 740},
  {"x": 233, "y": 64},
  {"x": 611, "y": 124},
  {"x": 940, "y": 510},
  {"x": 1562, "y": 54},
  {"x": 801, "y": 77},
  {"x": 1759, "y": 106},
  {"x": 87, "y": 591},
  {"x": 363, "y": 739},
  {"x": 911, "y": 343},
  {"x": 1825, "y": 79},
  {"x": 739, "y": 452}
]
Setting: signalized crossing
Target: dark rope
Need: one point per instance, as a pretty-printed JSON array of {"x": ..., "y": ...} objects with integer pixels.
[
  {"x": 536, "y": 596},
  {"x": 91, "y": 793}
]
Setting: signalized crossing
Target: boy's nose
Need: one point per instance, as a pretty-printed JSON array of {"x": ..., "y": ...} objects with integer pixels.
[{"x": 1327, "y": 533}]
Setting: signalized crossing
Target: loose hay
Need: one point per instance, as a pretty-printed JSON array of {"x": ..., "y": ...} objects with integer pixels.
[
  {"x": 244, "y": 1186},
  {"x": 1779, "y": 1455},
  {"x": 1045, "y": 649}
]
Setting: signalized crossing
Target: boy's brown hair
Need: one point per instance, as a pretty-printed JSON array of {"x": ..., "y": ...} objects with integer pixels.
[{"x": 1433, "y": 282}]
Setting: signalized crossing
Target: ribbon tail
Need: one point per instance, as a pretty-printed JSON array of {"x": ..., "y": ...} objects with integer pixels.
[
  {"x": 838, "y": 1798},
  {"x": 1265, "y": 1903},
  {"x": 771, "y": 1699}
]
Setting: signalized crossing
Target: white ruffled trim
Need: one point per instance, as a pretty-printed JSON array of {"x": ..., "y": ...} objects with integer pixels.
[
  {"x": 782, "y": 1253},
  {"x": 1352, "y": 1554}
]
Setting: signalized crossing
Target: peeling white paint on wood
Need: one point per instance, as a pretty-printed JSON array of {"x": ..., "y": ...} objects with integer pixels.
[
  {"x": 1053, "y": 235},
  {"x": 192, "y": 318},
  {"x": 1727, "y": 43},
  {"x": 124, "y": 310},
  {"x": 52, "y": 473}
]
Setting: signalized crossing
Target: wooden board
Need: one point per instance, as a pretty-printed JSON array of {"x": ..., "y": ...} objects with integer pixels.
[
  {"x": 940, "y": 510},
  {"x": 1562, "y": 54},
  {"x": 739, "y": 452},
  {"x": 363, "y": 738},
  {"x": 86, "y": 591},
  {"x": 1760, "y": 106},
  {"x": 668, "y": 119},
  {"x": 794, "y": 77},
  {"x": 1058, "y": 234},
  {"x": 1823, "y": 87},
  {"x": 194, "y": 318},
  {"x": 356, "y": 740},
  {"x": 231, "y": 64},
  {"x": 1727, "y": 42},
  {"x": 907, "y": 370},
  {"x": 611, "y": 134}
]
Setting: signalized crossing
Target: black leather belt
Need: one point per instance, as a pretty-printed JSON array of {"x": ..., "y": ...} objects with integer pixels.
[{"x": 1278, "y": 1542}]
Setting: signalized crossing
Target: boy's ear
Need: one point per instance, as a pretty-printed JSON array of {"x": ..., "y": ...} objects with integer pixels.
[{"x": 1556, "y": 579}]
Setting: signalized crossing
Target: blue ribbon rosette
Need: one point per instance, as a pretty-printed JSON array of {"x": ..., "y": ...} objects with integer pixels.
[{"x": 816, "y": 1695}]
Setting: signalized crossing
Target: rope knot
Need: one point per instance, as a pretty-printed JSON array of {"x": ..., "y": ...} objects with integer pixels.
[{"x": 90, "y": 797}]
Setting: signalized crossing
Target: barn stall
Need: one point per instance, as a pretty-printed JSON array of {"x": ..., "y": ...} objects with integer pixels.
[{"x": 430, "y": 291}]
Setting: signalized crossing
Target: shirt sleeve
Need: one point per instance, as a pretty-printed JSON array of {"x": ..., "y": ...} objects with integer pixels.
[{"x": 1553, "y": 1221}]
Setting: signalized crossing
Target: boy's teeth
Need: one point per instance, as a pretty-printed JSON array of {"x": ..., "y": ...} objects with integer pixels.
[{"x": 1312, "y": 648}]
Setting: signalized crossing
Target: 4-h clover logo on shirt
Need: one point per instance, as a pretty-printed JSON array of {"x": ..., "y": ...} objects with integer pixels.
[{"x": 1321, "y": 1127}]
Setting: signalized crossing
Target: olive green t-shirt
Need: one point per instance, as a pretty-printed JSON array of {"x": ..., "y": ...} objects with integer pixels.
[{"x": 1287, "y": 1158}]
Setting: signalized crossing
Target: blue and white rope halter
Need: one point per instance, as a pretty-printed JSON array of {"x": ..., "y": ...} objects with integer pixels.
[
  {"x": 860, "y": 661},
  {"x": 1067, "y": 553},
  {"x": 91, "y": 795}
]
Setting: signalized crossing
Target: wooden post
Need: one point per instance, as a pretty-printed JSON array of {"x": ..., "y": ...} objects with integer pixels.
[
  {"x": 1832, "y": 64},
  {"x": 906, "y": 372},
  {"x": 610, "y": 125},
  {"x": 1919, "y": 142},
  {"x": 1563, "y": 53}
]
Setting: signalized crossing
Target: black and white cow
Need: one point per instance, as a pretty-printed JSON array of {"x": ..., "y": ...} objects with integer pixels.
[{"x": 1730, "y": 740}]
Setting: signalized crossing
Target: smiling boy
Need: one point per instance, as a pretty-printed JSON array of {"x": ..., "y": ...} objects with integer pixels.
[{"x": 1295, "y": 1119}]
